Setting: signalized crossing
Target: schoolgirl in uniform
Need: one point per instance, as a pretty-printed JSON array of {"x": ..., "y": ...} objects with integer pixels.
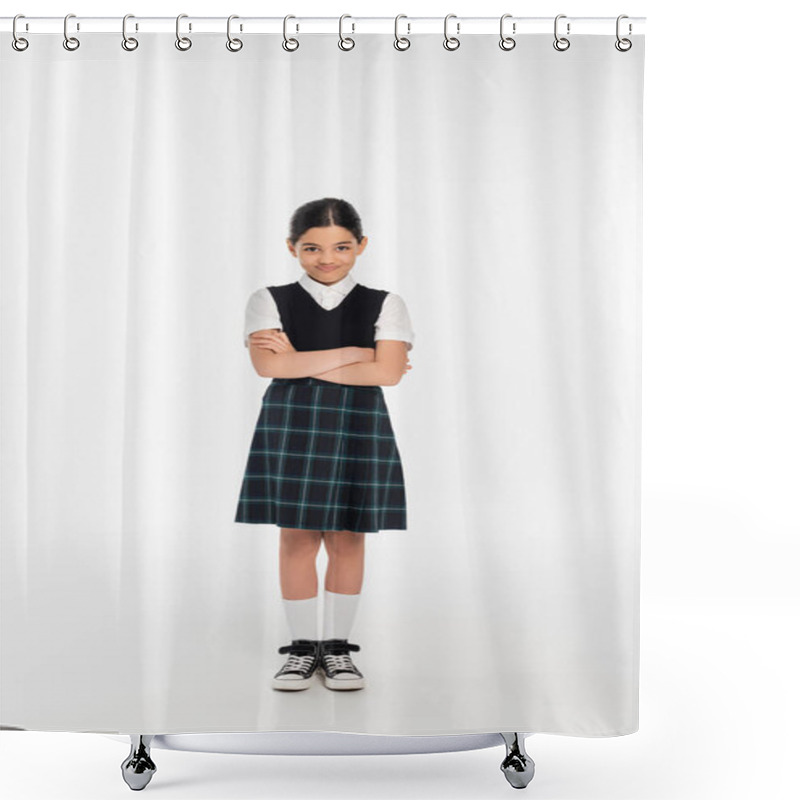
[{"x": 323, "y": 462}]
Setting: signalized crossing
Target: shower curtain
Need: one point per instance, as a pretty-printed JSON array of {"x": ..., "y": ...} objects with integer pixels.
[{"x": 146, "y": 201}]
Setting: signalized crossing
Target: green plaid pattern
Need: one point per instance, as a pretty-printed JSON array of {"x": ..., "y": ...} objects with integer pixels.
[{"x": 323, "y": 457}]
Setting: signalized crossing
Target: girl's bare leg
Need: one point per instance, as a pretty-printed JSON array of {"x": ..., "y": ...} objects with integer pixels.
[
  {"x": 345, "y": 572},
  {"x": 298, "y": 562}
]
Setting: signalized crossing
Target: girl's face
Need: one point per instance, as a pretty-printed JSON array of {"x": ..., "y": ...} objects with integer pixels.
[{"x": 327, "y": 254}]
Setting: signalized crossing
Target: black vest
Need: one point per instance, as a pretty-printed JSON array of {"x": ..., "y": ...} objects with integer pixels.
[{"x": 311, "y": 327}]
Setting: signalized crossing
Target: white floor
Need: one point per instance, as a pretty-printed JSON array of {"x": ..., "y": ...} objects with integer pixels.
[{"x": 719, "y": 702}]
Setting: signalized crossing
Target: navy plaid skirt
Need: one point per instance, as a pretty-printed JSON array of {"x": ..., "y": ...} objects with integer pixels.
[{"x": 323, "y": 457}]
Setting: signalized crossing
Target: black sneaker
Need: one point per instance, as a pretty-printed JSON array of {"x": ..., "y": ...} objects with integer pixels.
[
  {"x": 298, "y": 671},
  {"x": 340, "y": 672}
]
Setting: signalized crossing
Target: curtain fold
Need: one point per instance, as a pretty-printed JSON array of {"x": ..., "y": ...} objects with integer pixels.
[{"x": 145, "y": 196}]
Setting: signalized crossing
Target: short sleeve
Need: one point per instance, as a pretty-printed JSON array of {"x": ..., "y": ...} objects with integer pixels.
[
  {"x": 261, "y": 312},
  {"x": 394, "y": 322}
]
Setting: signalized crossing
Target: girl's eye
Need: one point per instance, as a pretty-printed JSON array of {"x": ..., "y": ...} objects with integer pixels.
[{"x": 311, "y": 248}]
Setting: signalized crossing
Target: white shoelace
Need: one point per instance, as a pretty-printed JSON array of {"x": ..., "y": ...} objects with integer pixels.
[
  {"x": 340, "y": 662},
  {"x": 296, "y": 661}
]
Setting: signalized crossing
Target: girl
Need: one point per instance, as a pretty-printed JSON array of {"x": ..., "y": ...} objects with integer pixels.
[{"x": 323, "y": 462}]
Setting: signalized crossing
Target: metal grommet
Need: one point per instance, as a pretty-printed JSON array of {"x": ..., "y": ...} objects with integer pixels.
[
  {"x": 560, "y": 40},
  {"x": 506, "y": 42},
  {"x": 295, "y": 44},
  {"x": 451, "y": 42},
  {"x": 19, "y": 43},
  {"x": 342, "y": 39},
  {"x": 70, "y": 42},
  {"x": 128, "y": 42},
  {"x": 234, "y": 45},
  {"x": 406, "y": 43},
  {"x": 182, "y": 42},
  {"x": 619, "y": 43}
]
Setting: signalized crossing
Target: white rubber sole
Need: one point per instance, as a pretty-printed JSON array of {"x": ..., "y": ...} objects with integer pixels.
[
  {"x": 345, "y": 684},
  {"x": 291, "y": 684}
]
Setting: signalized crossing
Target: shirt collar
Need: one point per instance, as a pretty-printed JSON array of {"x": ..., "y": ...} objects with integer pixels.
[{"x": 319, "y": 290}]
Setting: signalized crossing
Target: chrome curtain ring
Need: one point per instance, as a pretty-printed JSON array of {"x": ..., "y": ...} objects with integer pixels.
[
  {"x": 350, "y": 42},
  {"x": 234, "y": 45},
  {"x": 400, "y": 42},
  {"x": 560, "y": 40},
  {"x": 451, "y": 42},
  {"x": 70, "y": 42},
  {"x": 19, "y": 43},
  {"x": 128, "y": 42},
  {"x": 507, "y": 42},
  {"x": 623, "y": 45},
  {"x": 182, "y": 42},
  {"x": 290, "y": 45}
]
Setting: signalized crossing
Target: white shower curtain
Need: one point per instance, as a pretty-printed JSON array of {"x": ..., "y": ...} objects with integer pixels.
[{"x": 145, "y": 196}]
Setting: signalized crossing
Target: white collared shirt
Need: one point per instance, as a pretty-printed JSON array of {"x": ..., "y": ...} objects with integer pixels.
[{"x": 393, "y": 322}]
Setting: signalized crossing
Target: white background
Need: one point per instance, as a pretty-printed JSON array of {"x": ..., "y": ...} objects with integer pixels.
[{"x": 720, "y": 523}]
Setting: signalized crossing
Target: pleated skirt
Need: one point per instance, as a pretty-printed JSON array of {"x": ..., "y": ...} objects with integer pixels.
[{"x": 323, "y": 457}]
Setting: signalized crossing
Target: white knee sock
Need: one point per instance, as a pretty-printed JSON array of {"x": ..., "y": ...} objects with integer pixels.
[
  {"x": 302, "y": 617},
  {"x": 339, "y": 612}
]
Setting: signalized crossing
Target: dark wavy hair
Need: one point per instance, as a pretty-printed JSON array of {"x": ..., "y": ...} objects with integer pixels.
[{"x": 323, "y": 213}]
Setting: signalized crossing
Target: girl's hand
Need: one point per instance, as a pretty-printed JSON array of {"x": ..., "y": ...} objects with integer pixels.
[{"x": 274, "y": 340}]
